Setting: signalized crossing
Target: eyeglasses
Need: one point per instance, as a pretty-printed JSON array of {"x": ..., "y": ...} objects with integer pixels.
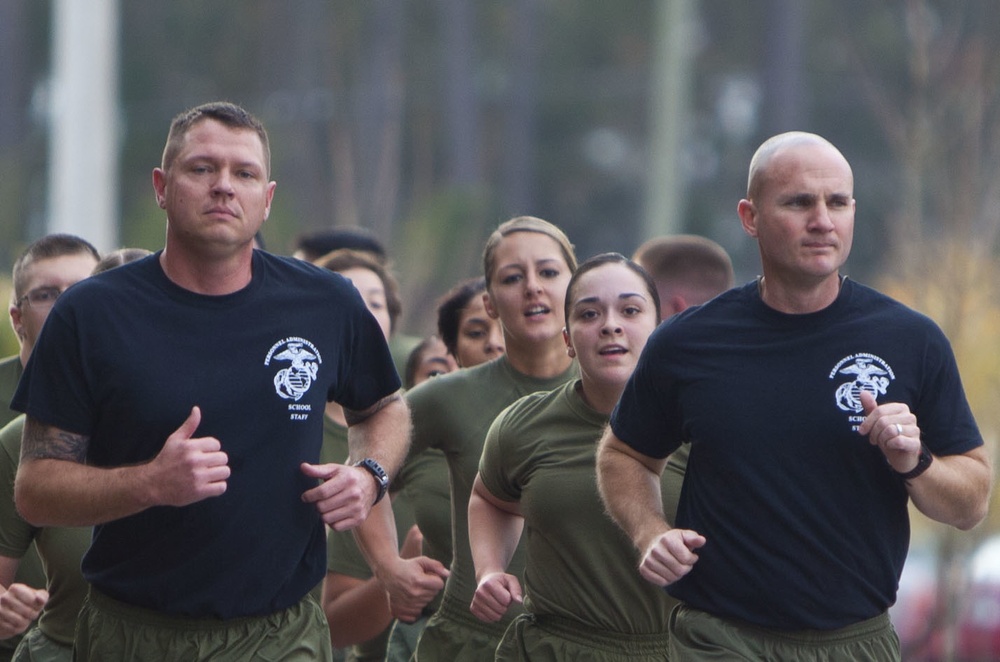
[{"x": 40, "y": 297}]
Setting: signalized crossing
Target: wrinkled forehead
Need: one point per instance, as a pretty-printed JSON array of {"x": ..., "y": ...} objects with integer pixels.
[
  {"x": 207, "y": 135},
  {"x": 794, "y": 146},
  {"x": 209, "y": 130}
]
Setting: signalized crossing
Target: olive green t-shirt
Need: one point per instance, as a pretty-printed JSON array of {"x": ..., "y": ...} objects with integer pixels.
[
  {"x": 400, "y": 346},
  {"x": 334, "y": 449},
  {"x": 10, "y": 375},
  {"x": 452, "y": 413},
  {"x": 580, "y": 566},
  {"x": 60, "y": 548}
]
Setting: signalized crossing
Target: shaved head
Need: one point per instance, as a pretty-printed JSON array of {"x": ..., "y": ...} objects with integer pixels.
[{"x": 764, "y": 155}]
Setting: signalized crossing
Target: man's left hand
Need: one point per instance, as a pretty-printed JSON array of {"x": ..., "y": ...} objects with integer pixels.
[{"x": 345, "y": 497}]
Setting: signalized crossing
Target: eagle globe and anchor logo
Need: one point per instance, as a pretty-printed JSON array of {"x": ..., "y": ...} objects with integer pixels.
[
  {"x": 293, "y": 382},
  {"x": 868, "y": 373}
]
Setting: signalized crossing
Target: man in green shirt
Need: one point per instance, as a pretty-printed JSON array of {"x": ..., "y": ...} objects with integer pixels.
[
  {"x": 43, "y": 271},
  {"x": 45, "y": 268}
]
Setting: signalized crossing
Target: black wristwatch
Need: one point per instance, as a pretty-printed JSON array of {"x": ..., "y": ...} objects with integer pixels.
[
  {"x": 378, "y": 473},
  {"x": 923, "y": 461}
]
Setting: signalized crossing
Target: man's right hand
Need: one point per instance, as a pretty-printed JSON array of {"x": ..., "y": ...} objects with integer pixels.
[
  {"x": 19, "y": 606},
  {"x": 670, "y": 556},
  {"x": 411, "y": 584},
  {"x": 188, "y": 468}
]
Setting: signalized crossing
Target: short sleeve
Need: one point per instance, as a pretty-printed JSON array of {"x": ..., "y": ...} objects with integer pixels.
[
  {"x": 647, "y": 416},
  {"x": 496, "y": 461},
  {"x": 16, "y": 535}
]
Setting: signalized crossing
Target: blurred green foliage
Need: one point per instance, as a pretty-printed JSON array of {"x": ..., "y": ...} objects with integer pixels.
[{"x": 8, "y": 341}]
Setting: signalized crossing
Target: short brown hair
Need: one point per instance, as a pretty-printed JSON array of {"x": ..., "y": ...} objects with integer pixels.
[
  {"x": 695, "y": 265},
  {"x": 229, "y": 114},
  {"x": 119, "y": 257},
  {"x": 48, "y": 247}
]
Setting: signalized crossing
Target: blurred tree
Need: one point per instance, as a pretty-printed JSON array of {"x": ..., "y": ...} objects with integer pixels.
[
  {"x": 519, "y": 112},
  {"x": 783, "y": 71},
  {"x": 458, "y": 63},
  {"x": 298, "y": 103},
  {"x": 14, "y": 74},
  {"x": 935, "y": 95},
  {"x": 379, "y": 117},
  {"x": 24, "y": 58},
  {"x": 8, "y": 341},
  {"x": 382, "y": 111}
]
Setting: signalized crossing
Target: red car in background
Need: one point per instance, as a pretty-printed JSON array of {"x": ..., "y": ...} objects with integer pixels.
[
  {"x": 916, "y": 600},
  {"x": 976, "y": 635},
  {"x": 978, "y": 631}
]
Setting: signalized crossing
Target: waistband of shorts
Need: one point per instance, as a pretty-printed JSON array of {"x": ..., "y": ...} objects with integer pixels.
[
  {"x": 144, "y": 616},
  {"x": 586, "y": 635},
  {"x": 853, "y": 632},
  {"x": 452, "y": 609}
]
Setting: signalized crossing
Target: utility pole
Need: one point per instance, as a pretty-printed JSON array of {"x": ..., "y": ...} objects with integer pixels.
[
  {"x": 668, "y": 117},
  {"x": 83, "y": 121}
]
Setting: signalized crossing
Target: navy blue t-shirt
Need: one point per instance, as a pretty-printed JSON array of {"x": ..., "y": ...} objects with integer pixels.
[
  {"x": 125, "y": 355},
  {"x": 806, "y": 524}
]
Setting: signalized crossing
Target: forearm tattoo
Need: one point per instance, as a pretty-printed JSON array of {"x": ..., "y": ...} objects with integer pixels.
[
  {"x": 354, "y": 417},
  {"x": 45, "y": 442}
]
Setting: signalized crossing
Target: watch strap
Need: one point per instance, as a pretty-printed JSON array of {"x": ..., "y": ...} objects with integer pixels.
[
  {"x": 924, "y": 460},
  {"x": 378, "y": 473}
]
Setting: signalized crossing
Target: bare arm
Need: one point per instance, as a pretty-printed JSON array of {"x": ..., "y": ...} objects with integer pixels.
[
  {"x": 376, "y": 537},
  {"x": 356, "y": 609},
  {"x": 955, "y": 489},
  {"x": 410, "y": 582},
  {"x": 55, "y": 488},
  {"x": 629, "y": 484},
  {"x": 345, "y": 501},
  {"x": 382, "y": 433},
  {"x": 495, "y": 529}
]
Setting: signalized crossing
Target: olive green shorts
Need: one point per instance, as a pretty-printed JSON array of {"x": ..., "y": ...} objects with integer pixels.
[
  {"x": 551, "y": 639},
  {"x": 453, "y": 634},
  {"x": 696, "y": 635},
  {"x": 403, "y": 638},
  {"x": 111, "y": 631},
  {"x": 38, "y": 647}
]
